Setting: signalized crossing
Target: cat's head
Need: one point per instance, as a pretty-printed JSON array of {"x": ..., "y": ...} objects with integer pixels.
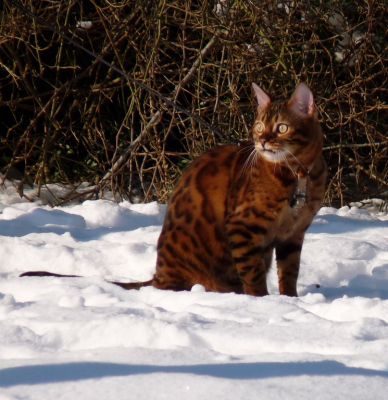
[{"x": 287, "y": 133}]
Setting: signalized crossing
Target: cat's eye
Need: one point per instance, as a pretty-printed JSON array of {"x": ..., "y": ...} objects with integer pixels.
[
  {"x": 282, "y": 128},
  {"x": 260, "y": 126}
]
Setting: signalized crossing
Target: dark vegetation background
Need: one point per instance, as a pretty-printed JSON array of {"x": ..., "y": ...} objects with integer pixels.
[{"x": 67, "y": 117}]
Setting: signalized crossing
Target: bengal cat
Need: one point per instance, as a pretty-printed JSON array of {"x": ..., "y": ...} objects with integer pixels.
[{"x": 237, "y": 204}]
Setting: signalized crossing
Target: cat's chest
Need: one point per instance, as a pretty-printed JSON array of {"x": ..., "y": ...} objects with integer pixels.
[
  {"x": 272, "y": 206},
  {"x": 286, "y": 219},
  {"x": 291, "y": 220}
]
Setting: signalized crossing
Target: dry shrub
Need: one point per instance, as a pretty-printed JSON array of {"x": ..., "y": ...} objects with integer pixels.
[{"x": 68, "y": 117}]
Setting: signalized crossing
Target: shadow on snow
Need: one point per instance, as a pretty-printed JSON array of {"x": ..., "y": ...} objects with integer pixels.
[
  {"x": 369, "y": 286},
  {"x": 54, "y": 373},
  {"x": 336, "y": 224}
]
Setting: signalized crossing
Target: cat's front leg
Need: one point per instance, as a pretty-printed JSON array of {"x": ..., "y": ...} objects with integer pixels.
[
  {"x": 252, "y": 258},
  {"x": 288, "y": 261}
]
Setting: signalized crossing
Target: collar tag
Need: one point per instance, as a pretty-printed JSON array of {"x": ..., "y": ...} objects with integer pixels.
[{"x": 299, "y": 197}]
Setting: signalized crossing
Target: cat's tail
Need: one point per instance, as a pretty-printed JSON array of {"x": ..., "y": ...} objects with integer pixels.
[{"x": 124, "y": 285}]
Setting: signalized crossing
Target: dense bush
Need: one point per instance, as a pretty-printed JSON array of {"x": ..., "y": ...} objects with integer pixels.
[{"x": 67, "y": 113}]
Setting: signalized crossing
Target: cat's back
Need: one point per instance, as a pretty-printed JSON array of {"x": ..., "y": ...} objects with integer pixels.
[{"x": 205, "y": 184}]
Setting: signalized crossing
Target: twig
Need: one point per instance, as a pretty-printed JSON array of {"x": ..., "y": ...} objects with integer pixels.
[
  {"x": 157, "y": 115},
  {"x": 365, "y": 171},
  {"x": 354, "y": 145}
]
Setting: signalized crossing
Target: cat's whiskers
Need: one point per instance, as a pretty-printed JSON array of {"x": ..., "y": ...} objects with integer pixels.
[
  {"x": 288, "y": 164},
  {"x": 246, "y": 149},
  {"x": 256, "y": 158},
  {"x": 251, "y": 160},
  {"x": 296, "y": 159},
  {"x": 283, "y": 159}
]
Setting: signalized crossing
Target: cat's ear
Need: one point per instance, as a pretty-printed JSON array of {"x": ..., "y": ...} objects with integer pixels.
[
  {"x": 302, "y": 101},
  {"x": 263, "y": 101}
]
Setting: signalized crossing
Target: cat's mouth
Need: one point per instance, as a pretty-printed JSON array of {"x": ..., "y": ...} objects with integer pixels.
[{"x": 273, "y": 155}]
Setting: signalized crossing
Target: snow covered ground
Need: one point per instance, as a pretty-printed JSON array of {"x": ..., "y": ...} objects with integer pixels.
[{"x": 83, "y": 338}]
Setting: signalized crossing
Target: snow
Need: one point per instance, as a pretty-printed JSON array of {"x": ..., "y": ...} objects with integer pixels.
[{"x": 67, "y": 338}]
